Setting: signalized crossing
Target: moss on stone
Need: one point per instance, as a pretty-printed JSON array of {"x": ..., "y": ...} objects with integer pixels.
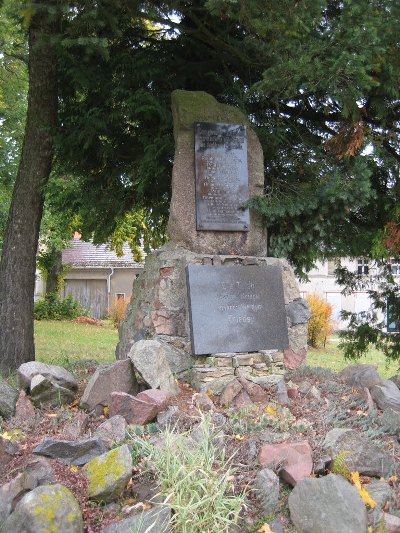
[{"x": 109, "y": 473}]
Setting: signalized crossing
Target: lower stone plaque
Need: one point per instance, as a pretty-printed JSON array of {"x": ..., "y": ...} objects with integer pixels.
[{"x": 236, "y": 308}]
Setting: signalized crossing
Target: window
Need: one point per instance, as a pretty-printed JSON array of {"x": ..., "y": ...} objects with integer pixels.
[
  {"x": 120, "y": 295},
  {"x": 362, "y": 266},
  {"x": 395, "y": 264},
  {"x": 392, "y": 323},
  {"x": 331, "y": 267}
]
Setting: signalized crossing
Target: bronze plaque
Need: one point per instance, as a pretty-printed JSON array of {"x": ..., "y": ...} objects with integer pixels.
[
  {"x": 221, "y": 177},
  {"x": 236, "y": 308}
]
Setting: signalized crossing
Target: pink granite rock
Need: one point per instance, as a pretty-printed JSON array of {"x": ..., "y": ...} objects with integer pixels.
[
  {"x": 231, "y": 390},
  {"x": 295, "y": 458},
  {"x": 77, "y": 426},
  {"x": 292, "y": 359},
  {"x": 154, "y": 396},
  {"x": 256, "y": 393},
  {"x": 24, "y": 408},
  {"x": 241, "y": 399},
  {"x": 8, "y": 449},
  {"x": 135, "y": 411}
]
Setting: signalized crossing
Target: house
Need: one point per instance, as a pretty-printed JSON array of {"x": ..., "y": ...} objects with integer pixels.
[
  {"x": 323, "y": 281},
  {"x": 95, "y": 275}
]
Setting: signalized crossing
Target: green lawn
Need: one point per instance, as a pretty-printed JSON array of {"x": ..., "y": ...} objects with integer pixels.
[
  {"x": 332, "y": 357},
  {"x": 66, "y": 343}
]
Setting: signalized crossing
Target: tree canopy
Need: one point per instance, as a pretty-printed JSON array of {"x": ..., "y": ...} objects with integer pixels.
[{"x": 318, "y": 80}]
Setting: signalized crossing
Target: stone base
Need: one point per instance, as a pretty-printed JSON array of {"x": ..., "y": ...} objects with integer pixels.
[{"x": 159, "y": 309}]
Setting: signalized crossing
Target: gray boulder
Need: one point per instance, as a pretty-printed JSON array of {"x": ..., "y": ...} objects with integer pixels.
[
  {"x": 109, "y": 474},
  {"x": 360, "y": 453},
  {"x": 149, "y": 357},
  {"x": 112, "y": 430},
  {"x": 396, "y": 380},
  {"x": 45, "y": 391},
  {"x": 360, "y": 376},
  {"x": 117, "y": 377},
  {"x": 329, "y": 504},
  {"x": 8, "y": 449},
  {"x": 386, "y": 394},
  {"x": 12, "y": 491},
  {"x": 76, "y": 453},
  {"x": 267, "y": 485},
  {"x": 390, "y": 421},
  {"x": 8, "y": 399},
  {"x": 46, "y": 508},
  {"x": 178, "y": 359},
  {"x": 298, "y": 311},
  {"x": 155, "y": 520},
  {"x": 56, "y": 374}
]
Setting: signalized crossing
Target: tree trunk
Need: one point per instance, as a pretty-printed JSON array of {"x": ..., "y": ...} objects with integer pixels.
[
  {"x": 53, "y": 274},
  {"x": 18, "y": 262}
]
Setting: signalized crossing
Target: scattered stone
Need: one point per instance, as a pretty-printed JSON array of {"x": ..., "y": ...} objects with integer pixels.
[
  {"x": 241, "y": 399},
  {"x": 315, "y": 393},
  {"x": 109, "y": 474},
  {"x": 40, "y": 470},
  {"x": 298, "y": 312},
  {"x": 304, "y": 387},
  {"x": 77, "y": 426},
  {"x": 44, "y": 509},
  {"x": 112, "y": 430},
  {"x": 360, "y": 376},
  {"x": 380, "y": 492},
  {"x": 292, "y": 390},
  {"x": 359, "y": 453},
  {"x": 293, "y": 459},
  {"x": 8, "y": 449},
  {"x": 386, "y": 394},
  {"x": 257, "y": 394},
  {"x": 267, "y": 483},
  {"x": 292, "y": 359},
  {"x": 154, "y": 396},
  {"x": 281, "y": 393},
  {"x": 392, "y": 523},
  {"x": 169, "y": 418},
  {"x": 118, "y": 377},
  {"x": 329, "y": 504},
  {"x": 56, "y": 374},
  {"x": 134, "y": 411},
  {"x": 149, "y": 357},
  {"x": 8, "y": 399},
  {"x": 76, "y": 453},
  {"x": 156, "y": 519},
  {"x": 390, "y": 421},
  {"x": 231, "y": 390},
  {"x": 45, "y": 391},
  {"x": 203, "y": 402},
  {"x": 24, "y": 409},
  {"x": 12, "y": 492}
]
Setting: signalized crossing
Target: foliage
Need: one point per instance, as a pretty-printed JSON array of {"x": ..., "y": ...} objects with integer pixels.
[
  {"x": 117, "y": 311},
  {"x": 256, "y": 418},
  {"x": 52, "y": 307},
  {"x": 320, "y": 325},
  {"x": 340, "y": 467},
  {"x": 196, "y": 480}
]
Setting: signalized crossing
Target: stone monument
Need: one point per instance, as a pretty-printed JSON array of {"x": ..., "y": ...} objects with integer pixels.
[{"x": 211, "y": 301}]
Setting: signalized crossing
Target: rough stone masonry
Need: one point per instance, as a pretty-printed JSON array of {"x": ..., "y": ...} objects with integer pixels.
[{"x": 160, "y": 307}]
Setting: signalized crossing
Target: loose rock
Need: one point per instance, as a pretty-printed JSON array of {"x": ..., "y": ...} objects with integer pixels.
[
  {"x": 24, "y": 408},
  {"x": 56, "y": 374},
  {"x": 12, "y": 491},
  {"x": 118, "y": 377},
  {"x": 112, "y": 430},
  {"x": 203, "y": 402},
  {"x": 294, "y": 460},
  {"x": 267, "y": 483},
  {"x": 390, "y": 421},
  {"x": 44, "y": 509},
  {"x": 77, "y": 426},
  {"x": 8, "y": 399},
  {"x": 133, "y": 410},
  {"x": 359, "y": 453},
  {"x": 76, "y": 453},
  {"x": 360, "y": 376},
  {"x": 109, "y": 474},
  {"x": 156, "y": 519},
  {"x": 45, "y": 391},
  {"x": 387, "y": 394},
  {"x": 329, "y": 504},
  {"x": 8, "y": 449},
  {"x": 230, "y": 391}
]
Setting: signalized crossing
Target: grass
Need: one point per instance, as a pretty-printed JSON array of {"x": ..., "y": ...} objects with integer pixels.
[
  {"x": 332, "y": 357},
  {"x": 64, "y": 343}
]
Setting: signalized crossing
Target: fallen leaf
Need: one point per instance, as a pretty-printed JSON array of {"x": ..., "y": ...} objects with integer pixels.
[
  {"x": 264, "y": 529},
  {"x": 239, "y": 437},
  {"x": 270, "y": 410}
]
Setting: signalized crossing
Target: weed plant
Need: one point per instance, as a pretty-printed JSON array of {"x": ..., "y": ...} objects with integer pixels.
[
  {"x": 195, "y": 479},
  {"x": 256, "y": 418}
]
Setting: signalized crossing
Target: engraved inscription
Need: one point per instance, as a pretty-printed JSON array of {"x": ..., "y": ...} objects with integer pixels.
[
  {"x": 236, "y": 308},
  {"x": 221, "y": 177}
]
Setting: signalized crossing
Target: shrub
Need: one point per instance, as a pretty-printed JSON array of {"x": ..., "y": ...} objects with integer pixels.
[
  {"x": 320, "y": 325},
  {"x": 52, "y": 307},
  {"x": 117, "y": 311}
]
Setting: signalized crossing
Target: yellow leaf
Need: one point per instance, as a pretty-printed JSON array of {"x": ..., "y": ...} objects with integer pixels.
[
  {"x": 270, "y": 410},
  {"x": 105, "y": 410},
  {"x": 366, "y": 498},
  {"x": 264, "y": 529},
  {"x": 74, "y": 469},
  {"x": 239, "y": 437}
]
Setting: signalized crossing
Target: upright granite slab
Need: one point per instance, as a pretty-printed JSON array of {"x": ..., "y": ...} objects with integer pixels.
[{"x": 190, "y": 108}]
